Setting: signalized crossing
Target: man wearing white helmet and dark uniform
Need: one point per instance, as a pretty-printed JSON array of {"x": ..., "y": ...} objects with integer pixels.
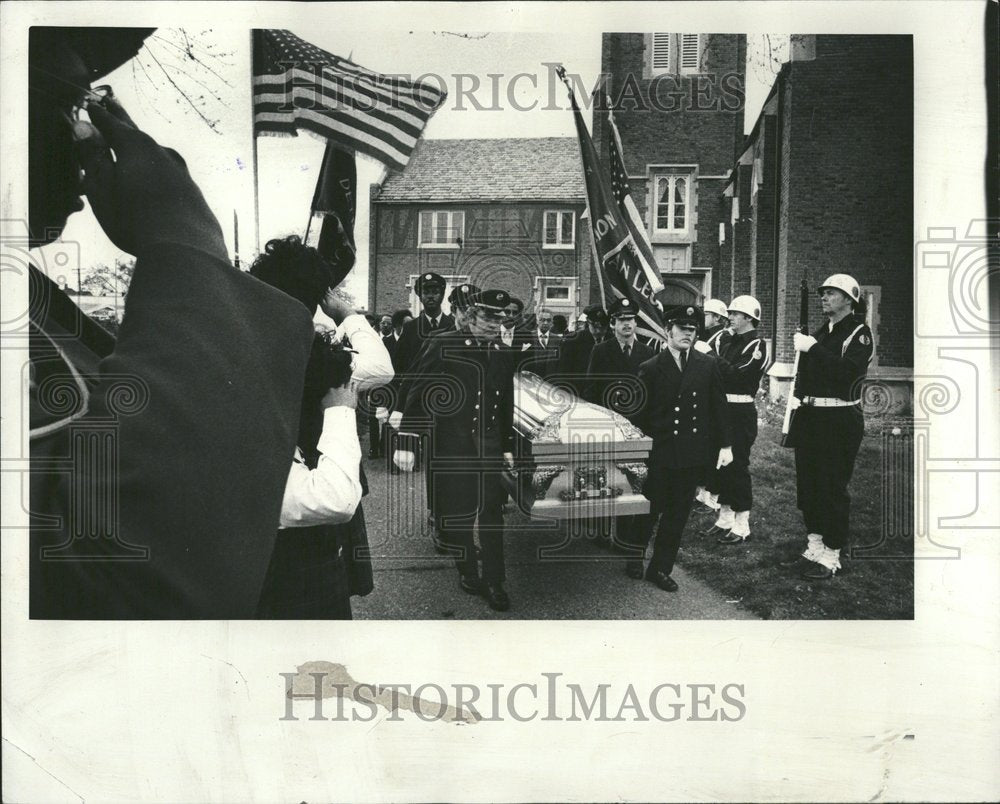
[
  {"x": 742, "y": 360},
  {"x": 715, "y": 334},
  {"x": 830, "y": 424}
]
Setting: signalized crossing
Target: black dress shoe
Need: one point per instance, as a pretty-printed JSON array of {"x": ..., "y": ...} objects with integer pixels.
[
  {"x": 634, "y": 570},
  {"x": 470, "y": 584},
  {"x": 664, "y": 581},
  {"x": 715, "y": 532},
  {"x": 817, "y": 572},
  {"x": 496, "y": 596},
  {"x": 729, "y": 537},
  {"x": 796, "y": 561}
]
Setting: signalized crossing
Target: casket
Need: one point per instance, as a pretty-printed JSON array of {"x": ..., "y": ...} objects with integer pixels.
[{"x": 577, "y": 460}]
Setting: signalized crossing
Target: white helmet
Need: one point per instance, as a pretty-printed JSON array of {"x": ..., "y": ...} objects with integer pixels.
[
  {"x": 747, "y": 305},
  {"x": 845, "y": 284},
  {"x": 716, "y": 306}
]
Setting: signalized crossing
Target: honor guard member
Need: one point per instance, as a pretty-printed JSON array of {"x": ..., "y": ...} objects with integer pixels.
[
  {"x": 716, "y": 323},
  {"x": 714, "y": 334},
  {"x": 829, "y": 423},
  {"x": 741, "y": 362},
  {"x": 467, "y": 392},
  {"x": 685, "y": 413}
]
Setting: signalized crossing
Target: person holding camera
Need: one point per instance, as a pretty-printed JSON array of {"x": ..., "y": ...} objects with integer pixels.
[{"x": 320, "y": 555}]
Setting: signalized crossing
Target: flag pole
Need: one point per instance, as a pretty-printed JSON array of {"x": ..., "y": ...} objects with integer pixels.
[
  {"x": 253, "y": 137},
  {"x": 561, "y": 72}
]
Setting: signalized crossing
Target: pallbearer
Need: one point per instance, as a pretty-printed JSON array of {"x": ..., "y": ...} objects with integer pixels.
[
  {"x": 685, "y": 413},
  {"x": 465, "y": 395},
  {"x": 741, "y": 362},
  {"x": 830, "y": 424}
]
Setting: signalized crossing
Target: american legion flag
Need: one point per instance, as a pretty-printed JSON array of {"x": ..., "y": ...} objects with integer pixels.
[
  {"x": 297, "y": 86},
  {"x": 622, "y": 250}
]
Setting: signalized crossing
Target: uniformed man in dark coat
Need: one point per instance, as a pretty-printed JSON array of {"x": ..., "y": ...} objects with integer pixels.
[
  {"x": 742, "y": 362},
  {"x": 176, "y": 438},
  {"x": 574, "y": 353},
  {"x": 460, "y": 299},
  {"x": 829, "y": 423},
  {"x": 614, "y": 363},
  {"x": 613, "y": 383},
  {"x": 685, "y": 413},
  {"x": 465, "y": 399},
  {"x": 430, "y": 287}
]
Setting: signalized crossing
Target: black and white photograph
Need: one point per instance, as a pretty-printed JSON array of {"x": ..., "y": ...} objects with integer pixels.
[{"x": 374, "y": 373}]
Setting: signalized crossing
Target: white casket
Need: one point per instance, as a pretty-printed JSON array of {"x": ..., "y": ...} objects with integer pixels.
[{"x": 577, "y": 460}]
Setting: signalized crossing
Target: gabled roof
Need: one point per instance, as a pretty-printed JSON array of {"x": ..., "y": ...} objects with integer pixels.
[{"x": 533, "y": 169}]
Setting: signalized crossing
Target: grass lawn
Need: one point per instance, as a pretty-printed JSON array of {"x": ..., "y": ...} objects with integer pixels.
[{"x": 876, "y": 583}]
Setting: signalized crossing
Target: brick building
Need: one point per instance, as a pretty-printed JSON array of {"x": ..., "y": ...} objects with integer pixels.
[
  {"x": 501, "y": 213},
  {"x": 824, "y": 184},
  {"x": 678, "y": 103}
]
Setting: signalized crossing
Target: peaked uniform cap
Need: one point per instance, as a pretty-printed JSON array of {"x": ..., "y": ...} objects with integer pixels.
[{"x": 429, "y": 279}]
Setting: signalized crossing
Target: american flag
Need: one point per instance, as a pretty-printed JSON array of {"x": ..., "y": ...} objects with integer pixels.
[
  {"x": 620, "y": 188},
  {"x": 299, "y": 87},
  {"x": 617, "y": 250}
]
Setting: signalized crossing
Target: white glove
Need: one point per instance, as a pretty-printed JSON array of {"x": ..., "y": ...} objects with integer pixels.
[
  {"x": 404, "y": 459},
  {"x": 803, "y": 343},
  {"x": 396, "y": 419},
  {"x": 725, "y": 457},
  {"x": 508, "y": 458},
  {"x": 382, "y": 414},
  {"x": 701, "y": 346}
]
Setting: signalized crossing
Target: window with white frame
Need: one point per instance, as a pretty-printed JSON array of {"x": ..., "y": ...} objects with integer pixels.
[
  {"x": 675, "y": 53},
  {"x": 559, "y": 229},
  {"x": 441, "y": 229},
  {"x": 558, "y": 293},
  {"x": 671, "y": 203}
]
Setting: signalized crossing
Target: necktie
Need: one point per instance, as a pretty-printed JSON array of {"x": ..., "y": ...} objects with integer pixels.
[
  {"x": 434, "y": 323},
  {"x": 684, "y": 359},
  {"x": 545, "y": 341},
  {"x": 627, "y": 350}
]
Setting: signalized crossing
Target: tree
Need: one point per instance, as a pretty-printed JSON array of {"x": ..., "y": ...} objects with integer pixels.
[{"x": 102, "y": 279}]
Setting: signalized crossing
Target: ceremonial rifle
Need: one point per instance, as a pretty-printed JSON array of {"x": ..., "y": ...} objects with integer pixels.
[{"x": 792, "y": 403}]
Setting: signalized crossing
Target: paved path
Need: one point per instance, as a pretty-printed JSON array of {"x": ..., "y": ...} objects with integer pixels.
[{"x": 550, "y": 573}]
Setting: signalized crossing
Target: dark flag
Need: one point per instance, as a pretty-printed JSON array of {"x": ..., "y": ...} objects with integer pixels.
[
  {"x": 626, "y": 270},
  {"x": 299, "y": 87},
  {"x": 335, "y": 200},
  {"x": 633, "y": 220}
]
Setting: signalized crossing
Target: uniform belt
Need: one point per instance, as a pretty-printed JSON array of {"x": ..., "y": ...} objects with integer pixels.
[
  {"x": 828, "y": 402},
  {"x": 739, "y": 398}
]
